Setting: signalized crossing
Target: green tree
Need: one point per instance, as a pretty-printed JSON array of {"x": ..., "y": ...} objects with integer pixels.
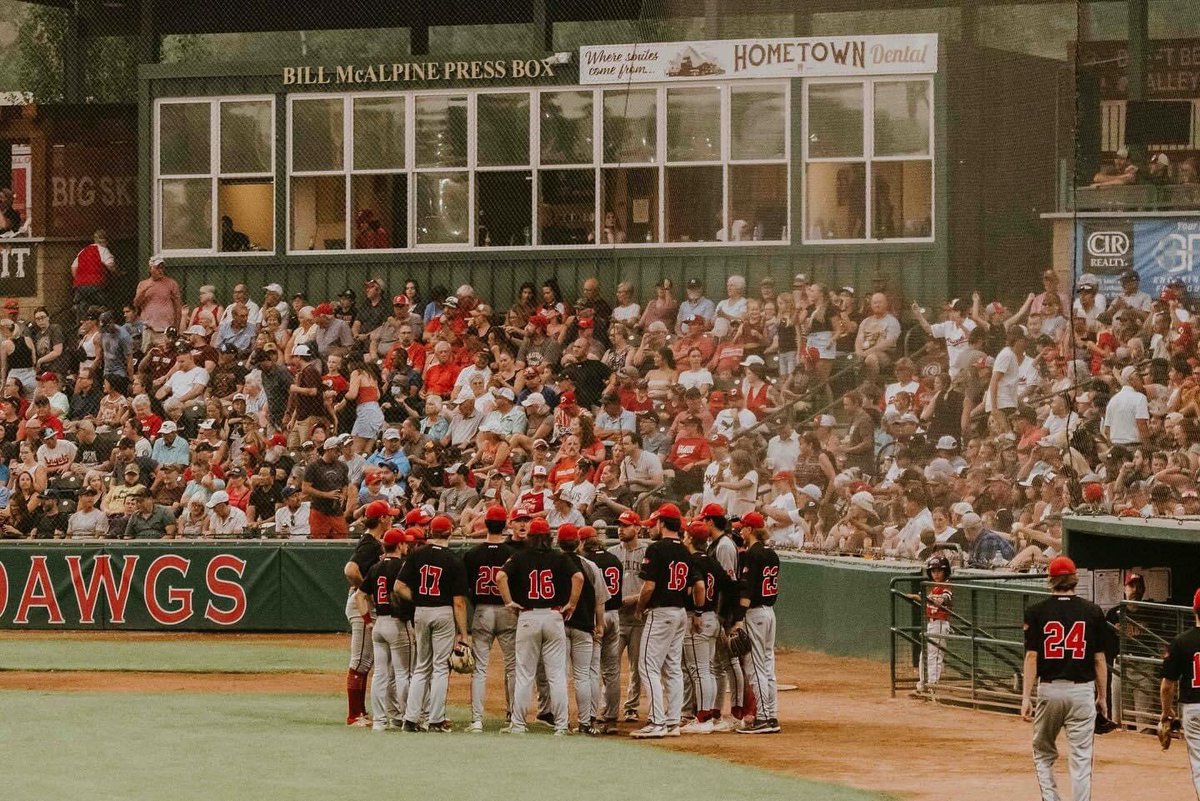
[{"x": 40, "y": 44}]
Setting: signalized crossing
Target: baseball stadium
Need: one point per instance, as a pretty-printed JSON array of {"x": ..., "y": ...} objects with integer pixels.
[{"x": 775, "y": 399}]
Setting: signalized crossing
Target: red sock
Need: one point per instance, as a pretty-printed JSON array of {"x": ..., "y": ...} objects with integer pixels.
[
  {"x": 362, "y": 693},
  {"x": 736, "y": 711},
  {"x": 353, "y": 704},
  {"x": 751, "y": 708},
  {"x": 702, "y": 715},
  {"x": 715, "y": 714}
]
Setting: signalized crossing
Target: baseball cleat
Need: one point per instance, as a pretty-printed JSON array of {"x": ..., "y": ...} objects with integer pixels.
[
  {"x": 723, "y": 725},
  {"x": 510, "y": 729},
  {"x": 630, "y": 717},
  {"x": 442, "y": 727},
  {"x": 696, "y": 727},
  {"x": 649, "y": 732},
  {"x": 476, "y": 727},
  {"x": 360, "y": 722},
  {"x": 378, "y": 727},
  {"x": 411, "y": 727},
  {"x": 608, "y": 727},
  {"x": 672, "y": 731},
  {"x": 760, "y": 727},
  {"x": 546, "y": 719}
]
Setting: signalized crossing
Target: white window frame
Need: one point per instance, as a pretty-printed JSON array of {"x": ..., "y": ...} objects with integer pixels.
[
  {"x": 868, "y": 159},
  {"x": 213, "y": 176}
]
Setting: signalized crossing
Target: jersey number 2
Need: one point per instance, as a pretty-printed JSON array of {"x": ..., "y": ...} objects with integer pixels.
[
  {"x": 1059, "y": 640},
  {"x": 431, "y": 580},
  {"x": 1196, "y": 671},
  {"x": 541, "y": 585},
  {"x": 381, "y": 590},
  {"x": 677, "y": 576}
]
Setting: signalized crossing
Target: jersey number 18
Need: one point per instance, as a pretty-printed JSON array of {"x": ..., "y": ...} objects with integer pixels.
[{"x": 677, "y": 576}]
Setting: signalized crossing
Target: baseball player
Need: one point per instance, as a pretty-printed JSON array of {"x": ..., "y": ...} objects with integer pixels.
[
  {"x": 585, "y": 626},
  {"x": 1181, "y": 673},
  {"x": 938, "y": 602},
  {"x": 668, "y": 579},
  {"x": 543, "y": 588},
  {"x": 730, "y": 676},
  {"x": 434, "y": 580},
  {"x": 518, "y": 527},
  {"x": 377, "y": 516},
  {"x": 704, "y": 630},
  {"x": 1064, "y": 654},
  {"x": 606, "y": 656},
  {"x": 758, "y": 582},
  {"x": 630, "y": 552},
  {"x": 389, "y": 634},
  {"x": 491, "y": 621}
]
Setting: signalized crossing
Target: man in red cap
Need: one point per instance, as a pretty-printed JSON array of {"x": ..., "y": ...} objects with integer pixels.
[
  {"x": 758, "y": 584},
  {"x": 730, "y": 677},
  {"x": 389, "y": 634},
  {"x": 1064, "y": 655},
  {"x": 585, "y": 627},
  {"x": 518, "y": 527},
  {"x": 630, "y": 551},
  {"x": 492, "y": 621},
  {"x": 544, "y": 588},
  {"x": 606, "y": 655},
  {"x": 700, "y": 641},
  {"x": 668, "y": 580},
  {"x": 377, "y": 516},
  {"x": 1181, "y": 674},
  {"x": 434, "y": 580},
  {"x": 333, "y": 335}
]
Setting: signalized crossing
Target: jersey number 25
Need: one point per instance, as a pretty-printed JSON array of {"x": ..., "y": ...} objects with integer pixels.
[
  {"x": 1059, "y": 640},
  {"x": 485, "y": 582}
]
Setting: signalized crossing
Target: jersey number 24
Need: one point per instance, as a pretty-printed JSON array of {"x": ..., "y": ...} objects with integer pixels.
[{"x": 1059, "y": 640}]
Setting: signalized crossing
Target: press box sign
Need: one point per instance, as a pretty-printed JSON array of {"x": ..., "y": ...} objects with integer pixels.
[{"x": 1108, "y": 248}]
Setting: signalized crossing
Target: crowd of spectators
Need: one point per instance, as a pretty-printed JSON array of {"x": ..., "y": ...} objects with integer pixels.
[
  {"x": 1159, "y": 170},
  {"x": 969, "y": 429}
]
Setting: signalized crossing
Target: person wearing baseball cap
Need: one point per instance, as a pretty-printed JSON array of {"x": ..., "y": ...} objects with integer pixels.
[
  {"x": 724, "y": 550},
  {"x": 1064, "y": 656},
  {"x": 629, "y": 551},
  {"x": 1181, "y": 677},
  {"x": 224, "y": 519},
  {"x": 758, "y": 580},
  {"x": 435, "y": 581},
  {"x": 492, "y": 621},
  {"x": 584, "y": 625},
  {"x": 378, "y": 517},
  {"x": 389, "y": 633},
  {"x": 700, "y": 640},
  {"x": 670, "y": 584},
  {"x": 606, "y": 655}
]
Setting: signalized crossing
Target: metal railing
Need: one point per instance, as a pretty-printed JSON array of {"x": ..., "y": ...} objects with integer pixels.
[
  {"x": 983, "y": 649},
  {"x": 1144, "y": 631}
]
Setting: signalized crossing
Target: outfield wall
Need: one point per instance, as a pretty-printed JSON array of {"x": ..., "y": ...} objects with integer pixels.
[{"x": 837, "y": 606}]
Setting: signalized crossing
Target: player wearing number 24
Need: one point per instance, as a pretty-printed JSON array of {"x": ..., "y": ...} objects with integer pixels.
[{"x": 1064, "y": 655}]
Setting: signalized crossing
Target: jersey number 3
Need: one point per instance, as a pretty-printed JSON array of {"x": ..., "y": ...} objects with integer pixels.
[
  {"x": 431, "y": 580},
  {"x": 612, "y": 577},
  {"x": 1059, "y": 640}
]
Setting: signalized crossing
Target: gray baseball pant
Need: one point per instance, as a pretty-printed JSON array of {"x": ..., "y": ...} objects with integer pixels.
[
  {"x": 1070, "y": 706},
  {"x": 361, "y": 656},
  {"x": 699, "y": 655},
  {"x": 580, "y": 646},
  {"x": 434, "y": 633},
  {"x": 392, "y": 640},
  {"x": 730, "y": 677},
  {"x": 760, "y": 624},
  {"x": 631, "y": 643},
  {"x": 661, "y": 663},
  {"x": 606, "y": 669},
  {"x": 1191, "y": 736},
  {"x": 541, "y": 638},
  {"x": 492, "y": 623}
]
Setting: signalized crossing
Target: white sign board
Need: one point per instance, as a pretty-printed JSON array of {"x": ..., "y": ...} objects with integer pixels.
[{"x": 730, "y": 59}]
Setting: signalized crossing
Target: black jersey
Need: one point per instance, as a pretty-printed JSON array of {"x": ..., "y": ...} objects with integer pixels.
[
  {"x": 366, "y": 553},
  {"x": 669, "y": 565},
  {"x": 434, "y": 575},
  {"x": 1182, "y": 664},
  {"x": 584, "y": 616},
  {"x": 717, "y": 582},
  {"x": 610, "y": 568},
  {"x": 378, "y": 584},
  {"x": 482, "y": 563},
  {"x": 758, "y": 575},
  {"x": 1066, "y": 632},
  {"x": 517, "y": 545},
  {"x": 539, "y": 578}
]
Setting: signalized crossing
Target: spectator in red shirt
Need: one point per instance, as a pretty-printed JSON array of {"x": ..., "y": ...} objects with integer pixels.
[
  {"x": 566, "y": 466},
  {"x": 689, "y": 457},
  {"x": 441, "y": 372},
  {"x": 89, "y": 272}
]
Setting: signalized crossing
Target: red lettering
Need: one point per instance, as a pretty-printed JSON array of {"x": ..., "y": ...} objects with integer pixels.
[
  {"x": 541, "y": 585},
  {"x": 485, "y": 582},
  {"x": 1195, "y": 667},
  {"x": 1057, "y": 636},
  {"x": 102, "y": 576},
  {"x": 770, "y": 582},
  {"x": 677, "y": 576},
  {"x": 223, "y": 588},
  {"x": 431, "y": 580},
  {"x": 180, "y": 598},
  {"x": 39, "y": 591},
  {"x": 3, "y": 590}
]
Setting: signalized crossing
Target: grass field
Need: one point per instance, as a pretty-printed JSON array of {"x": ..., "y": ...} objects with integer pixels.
[{"x": 235, "y": 746}]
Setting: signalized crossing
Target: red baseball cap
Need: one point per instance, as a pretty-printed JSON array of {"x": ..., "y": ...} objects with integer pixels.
[
  {"x": 393, "y": 537},
  {"x": 629, "y": 519},
  {"x": 712, "y": 510},
  {"x": 520, "y": 513},
  {"x": 669, "y": 511},
  {"x": 587, "y": 532},
  {"x": 325, "y": 309},
  {"x": 379, "y": 509},
  {"x": 753, "y": 520},
  {"x": 698, "y": 530},
  {"x": 1061, "y": 566},
  {"x": 414, "y": 534},
  {"x": 568, "y": 533},
  {"x": 48, "y": 376},
  {"x": 567, "y": 399},
  {"x": 441, "y": 525},
  {"x": 718, "y": 439},
  {"x": 539, "y": 321},
  {"x": 416, "y": 517},
  {"x": 539, "y": 526},
  {"x": 496, "y": 513},
  {"x": 1134, "y": 578},
  {"x": 1196, "y": 601},
  {"x": 400, "y": 300}
]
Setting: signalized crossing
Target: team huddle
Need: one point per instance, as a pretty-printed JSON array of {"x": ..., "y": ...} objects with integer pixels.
[{"x": 691, "y": 611}]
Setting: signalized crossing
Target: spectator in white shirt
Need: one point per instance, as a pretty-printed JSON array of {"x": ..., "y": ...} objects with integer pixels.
[
  {"x": 1127, "y": 417},
  {"x": 613, "y": 420},
  {"x": 1006, "y": 375},
  {"x": 291, "y": 519},
  {"x": 953, "y": 330},
  {"x": 783, "y": 450},
  {"x": 56, "y": 455},
  {"x": 185, "y": 382},
  {"x": 87, "y": 522},
  {"x": 906, "y": 381},
  {"x": 224, "y": 520}
]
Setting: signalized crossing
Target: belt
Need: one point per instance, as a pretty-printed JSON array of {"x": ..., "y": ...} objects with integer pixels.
[{"x": 1066, "y": 681}]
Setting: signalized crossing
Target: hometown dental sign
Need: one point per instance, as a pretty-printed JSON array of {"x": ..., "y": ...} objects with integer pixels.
[{"x": 794, "y": 57}]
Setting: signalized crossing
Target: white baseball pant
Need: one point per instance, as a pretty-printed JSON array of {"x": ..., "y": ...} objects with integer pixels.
[
  {"x": 489, "y": 624},
  {"x": 631, "y": 643},
  {"x": 541, "y": 639},
  {"x": 392, "y": 640},
  {"x": 579, "y": 652},
  {"x": 606, "y": 669},
  {"x": 760, "y": 625},
  {"x": 660, "y": 663},
  {"x": 1070, "y": 706},
  {"x": 1191, "y": 736},
  {"x": 434, "y": 633},
  {"x": 933, "y": 658},
  {"x": 699, "y": 655},
  {"x": 361, "y": 656}
]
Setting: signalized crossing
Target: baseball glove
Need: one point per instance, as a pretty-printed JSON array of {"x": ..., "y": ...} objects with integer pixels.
[
  {"x": 1164, "y": 732},
  {"x": 462, "y": 658},
  {"x": 1104, "y": 725},
  {"x": 739, "y": 642}
]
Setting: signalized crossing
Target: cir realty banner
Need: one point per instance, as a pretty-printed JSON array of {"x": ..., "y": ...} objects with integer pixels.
[
  {"x": 790, "y": 57},
  {"x": 1160, "y": 250}
]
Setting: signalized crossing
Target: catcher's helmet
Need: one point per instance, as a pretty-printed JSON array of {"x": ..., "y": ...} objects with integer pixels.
[
  {"x": 937, "y": 562},
  {"x": 462, "y": 658}
]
